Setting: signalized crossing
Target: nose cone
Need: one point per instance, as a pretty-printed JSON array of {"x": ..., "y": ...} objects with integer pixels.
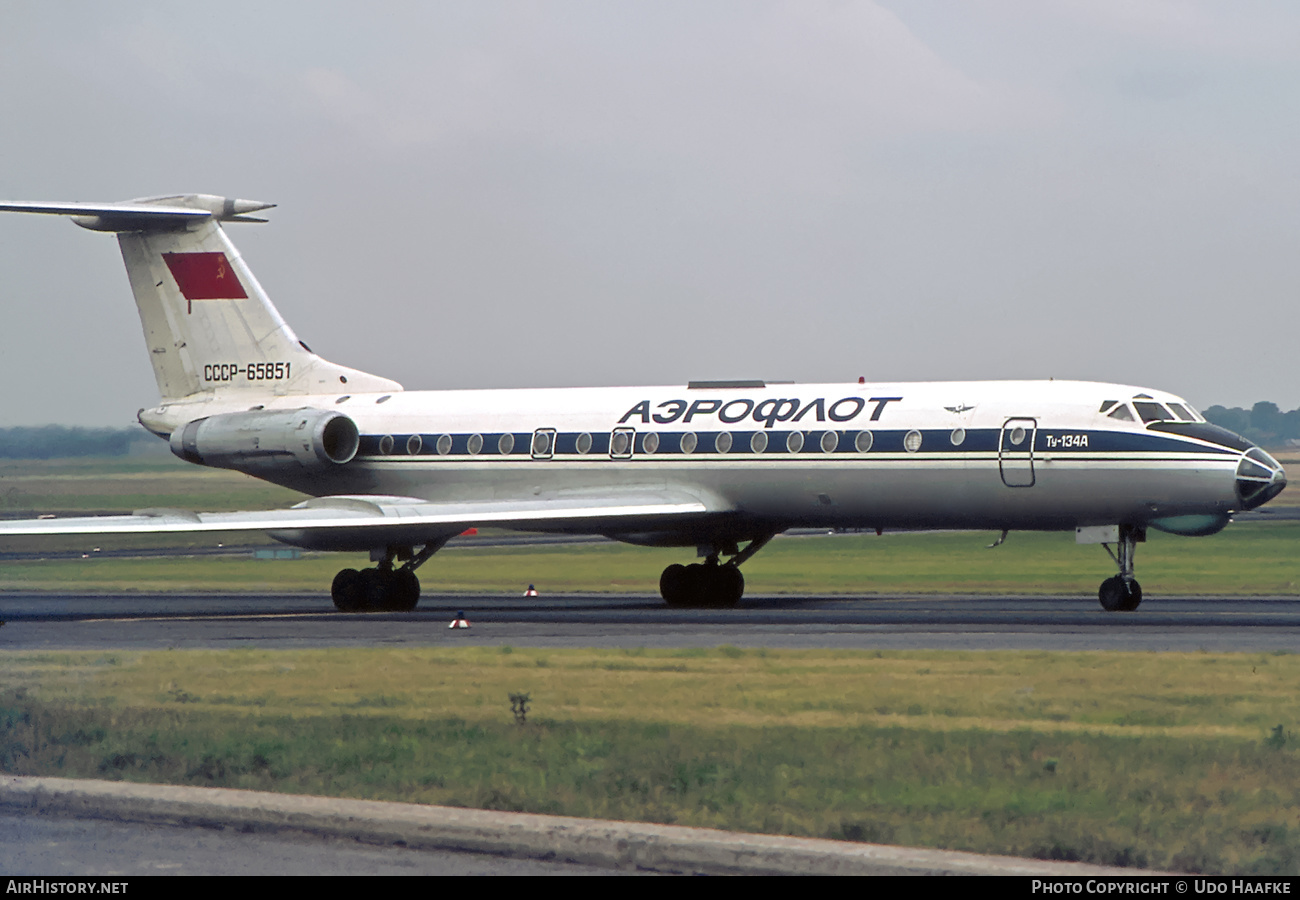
[{"x": 1259, "y": 478}]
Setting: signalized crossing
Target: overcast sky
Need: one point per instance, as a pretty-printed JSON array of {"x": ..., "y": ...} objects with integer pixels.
[{"x": 504, "y": 194}]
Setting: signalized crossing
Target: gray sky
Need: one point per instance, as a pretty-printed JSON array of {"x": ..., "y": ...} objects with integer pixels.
[{"x": 502, "y": 194}]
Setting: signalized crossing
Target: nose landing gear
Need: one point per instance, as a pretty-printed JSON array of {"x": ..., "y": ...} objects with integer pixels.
[{"x": 1122, "y": 593}]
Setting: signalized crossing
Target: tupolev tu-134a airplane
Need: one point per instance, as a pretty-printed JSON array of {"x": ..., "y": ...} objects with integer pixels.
[{"x": 718, "y": 466}]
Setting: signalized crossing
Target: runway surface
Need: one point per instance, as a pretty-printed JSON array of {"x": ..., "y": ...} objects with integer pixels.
[{"x": 955, "y": 622}]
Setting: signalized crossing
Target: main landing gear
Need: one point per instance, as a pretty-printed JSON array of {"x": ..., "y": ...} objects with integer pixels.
[
  {"x": 711, "y": 584},
  {"x": 383, "y": 588},
  {"x": 1122, "y": 593}
]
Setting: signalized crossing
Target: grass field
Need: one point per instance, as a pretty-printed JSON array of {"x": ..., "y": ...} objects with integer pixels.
[
  {"x": 117, "y": 485},
  {"x": 1184, "y": 761}
]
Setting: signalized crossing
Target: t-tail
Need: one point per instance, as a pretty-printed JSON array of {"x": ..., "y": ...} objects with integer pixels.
[{"x": 210, "y": 329}]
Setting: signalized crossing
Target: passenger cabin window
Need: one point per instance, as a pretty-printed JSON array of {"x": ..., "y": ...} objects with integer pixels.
[
  {"x": 543, "y": 443},
  {"x": 621, "y": 443}
]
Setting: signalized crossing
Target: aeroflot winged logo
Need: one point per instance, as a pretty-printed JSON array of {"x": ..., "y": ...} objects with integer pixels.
[{"x": 204, "y": 276}]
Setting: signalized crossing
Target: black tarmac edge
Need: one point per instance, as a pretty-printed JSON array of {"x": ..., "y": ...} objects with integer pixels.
[{"x": 665, "y": 848}]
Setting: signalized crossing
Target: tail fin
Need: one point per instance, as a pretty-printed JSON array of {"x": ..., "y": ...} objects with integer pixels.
[{"x": 208, "y": 325}]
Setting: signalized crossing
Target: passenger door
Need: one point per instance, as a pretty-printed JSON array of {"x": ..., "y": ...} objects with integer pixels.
[{"x": 1016, "y": 452}]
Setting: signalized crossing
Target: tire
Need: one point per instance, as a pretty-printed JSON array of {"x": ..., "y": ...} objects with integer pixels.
[
  {"x": 374, "y": 589},
  {"x": 403, "y": 591},
  {"x": 701, "y": 586},
  {"x": 709, "y": 590},
  {"x": 1133, "y": 596},
  {"x": 347, "y": 591},
  {"x": 1112, "y": 594},
  {"x": 698, "y": 587},
  {"x": 1118, "y": 595},
  {"x": 731, "y": 586},
  {"x": 673, "y": 585}
]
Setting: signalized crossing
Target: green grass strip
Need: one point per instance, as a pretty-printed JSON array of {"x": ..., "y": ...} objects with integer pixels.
[
  {"x": 1245, "y": 559},
  {"x": 1184, "y": 761}
]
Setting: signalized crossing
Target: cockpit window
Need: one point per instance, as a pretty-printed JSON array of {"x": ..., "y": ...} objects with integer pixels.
[
  {"x": 1151, "y": 412},
  {"x": 1260, "y": 456}
]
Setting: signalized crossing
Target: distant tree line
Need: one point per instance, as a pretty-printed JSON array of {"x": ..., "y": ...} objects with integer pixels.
[
  {"x": 58, "y": 441},
  {"x": 1263, "y": 423}
]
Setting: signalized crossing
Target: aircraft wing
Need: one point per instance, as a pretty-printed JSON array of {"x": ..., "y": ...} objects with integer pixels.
[{"x": 376, "y": 520}]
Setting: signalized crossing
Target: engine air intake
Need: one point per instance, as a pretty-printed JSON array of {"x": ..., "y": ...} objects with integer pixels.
[{"x": 261, "y": 439}]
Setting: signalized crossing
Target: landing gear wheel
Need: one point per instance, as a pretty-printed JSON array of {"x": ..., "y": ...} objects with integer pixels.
[
  {"x": 711, "y": 585},
  {"x": 698, "y": 586},
  {"x": 1133, "y": 598},
  {"x": 698, "y": 592},
  {"x": 1119, "y": 595},
  {"x": 384, "y": 587},
  {"x": 403, "y": 591},
  {"x": 717, "y": 586},
  {"x": 674, "y": 586},
  {"x": 731, "y": 586},
  {"x": 347, "y": 591},
  {"x": 374, "y": 588}
]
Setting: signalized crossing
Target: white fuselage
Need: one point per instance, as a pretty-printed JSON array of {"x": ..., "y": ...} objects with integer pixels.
[{"x": 1020, "y": 455}]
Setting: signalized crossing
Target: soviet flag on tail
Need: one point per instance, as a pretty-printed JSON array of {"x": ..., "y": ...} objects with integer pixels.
[{"x": 204, "y": 276}]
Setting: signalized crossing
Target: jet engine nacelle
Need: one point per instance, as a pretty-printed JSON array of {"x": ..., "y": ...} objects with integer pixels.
[{"x": 314, "y": 439}]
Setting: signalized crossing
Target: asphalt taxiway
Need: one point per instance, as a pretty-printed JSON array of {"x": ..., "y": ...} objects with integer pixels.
[{"x": 956, "y": 622}]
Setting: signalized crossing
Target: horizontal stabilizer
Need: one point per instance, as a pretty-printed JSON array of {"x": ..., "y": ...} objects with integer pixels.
[{"x": 145, "y": 214}]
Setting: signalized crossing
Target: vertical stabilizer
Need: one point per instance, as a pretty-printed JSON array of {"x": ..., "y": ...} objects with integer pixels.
[{"x": 208, "y": 325}]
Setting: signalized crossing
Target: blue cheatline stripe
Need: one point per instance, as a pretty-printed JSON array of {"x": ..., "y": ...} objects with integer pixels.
[{"x": 934, "y": 442}]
